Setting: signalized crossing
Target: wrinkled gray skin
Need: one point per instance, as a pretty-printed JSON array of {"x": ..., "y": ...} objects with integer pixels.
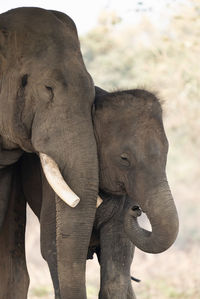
[
  {"x": 46, "y": 96},
  {"x": 132, "y": 150}
]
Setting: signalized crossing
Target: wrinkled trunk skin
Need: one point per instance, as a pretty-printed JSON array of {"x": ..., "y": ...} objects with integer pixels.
[
  {"x": 161, "y": 212},
  {"x": 74, "y": 226},
  {"x": 14, "y": 279},
  {"x": 75, "y": 153}
]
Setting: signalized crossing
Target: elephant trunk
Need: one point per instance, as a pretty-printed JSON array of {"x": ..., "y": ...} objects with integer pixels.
[
  {"x": 74, "y": 226},
  {"x": 161, "y": 212},
  {"x": 67, "y": 151}
]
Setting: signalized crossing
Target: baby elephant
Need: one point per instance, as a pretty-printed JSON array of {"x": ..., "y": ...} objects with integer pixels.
[{"x": 132, "y": 152}]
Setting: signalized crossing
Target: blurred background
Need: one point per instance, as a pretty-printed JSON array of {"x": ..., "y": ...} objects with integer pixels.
[{"x": 156, "y": 45}]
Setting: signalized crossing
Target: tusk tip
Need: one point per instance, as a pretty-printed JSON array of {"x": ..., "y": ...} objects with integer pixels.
[
  {"x": 75, "y": 202},
  {"x": 71, "y": 200},
  {"x": 99, "y": 201}
]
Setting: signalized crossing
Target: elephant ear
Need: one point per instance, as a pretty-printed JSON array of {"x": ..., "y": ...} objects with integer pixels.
[
  {"x": 12, "y": 87},
  {"x": 6, "y": 175},
  {"x": 8, "y": 157},
  {"x": 7, "y": 160},
  {"x": 3, "y": 45},
  {"x": 100, "y": 92}
]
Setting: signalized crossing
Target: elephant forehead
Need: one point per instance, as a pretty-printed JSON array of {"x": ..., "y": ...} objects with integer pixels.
[
  {"x": 36, "y": 19},
  {"x": 34, "y": 31},
  {"x": 145, "y": 136},
  {"x": 127, "y": 123}
]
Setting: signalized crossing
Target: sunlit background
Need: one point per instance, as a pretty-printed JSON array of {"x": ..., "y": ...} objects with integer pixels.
[{"x": 156, "y": 45}]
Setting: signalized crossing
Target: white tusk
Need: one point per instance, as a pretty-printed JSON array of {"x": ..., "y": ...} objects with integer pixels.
[
  {"x": 99, "y": 201},
  {"x": 56, "y": 181}
]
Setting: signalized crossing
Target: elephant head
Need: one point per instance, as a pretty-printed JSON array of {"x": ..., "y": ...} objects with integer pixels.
[
  {"x": 132, "y": 148},
  {"x": 46, "y": 96}
]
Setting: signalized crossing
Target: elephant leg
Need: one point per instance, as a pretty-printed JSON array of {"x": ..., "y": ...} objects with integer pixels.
[
  {"x": 14, "y": 277},
  {"x": 116, "y": 256},
  {"x": 48, "y": 234},
  {"x": 68, "y": 274},
  {"x": 6, "y": 175},
  {"x": 35, "y": 187}
]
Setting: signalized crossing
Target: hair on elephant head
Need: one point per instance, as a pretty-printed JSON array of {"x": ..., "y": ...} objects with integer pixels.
[{"x": 132, "y": 148}]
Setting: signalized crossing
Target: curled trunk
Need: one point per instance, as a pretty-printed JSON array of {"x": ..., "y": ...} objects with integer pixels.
[{"x": 161, "y": 212}]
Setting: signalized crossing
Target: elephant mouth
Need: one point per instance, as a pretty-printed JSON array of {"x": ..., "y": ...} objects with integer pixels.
[
  {"x": 112, "y": 192},
  {"x": 137, "y": 211},
  {"x": 136, "y": 207},
  {"x": 118, "y": 191}
]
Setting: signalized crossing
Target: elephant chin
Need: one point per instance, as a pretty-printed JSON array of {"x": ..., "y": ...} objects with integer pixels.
[{"x": 56, "y": 181}]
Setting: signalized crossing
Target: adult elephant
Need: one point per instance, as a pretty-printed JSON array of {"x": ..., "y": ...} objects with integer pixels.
[
  {"x": 46, "y": 96},
  {"x": 132, "y": 152}
]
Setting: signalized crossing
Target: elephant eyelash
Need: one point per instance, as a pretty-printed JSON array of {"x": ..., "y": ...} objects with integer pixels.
[
  {"x": 125, "y": 159},
  {"x": 49, "y": 88}
]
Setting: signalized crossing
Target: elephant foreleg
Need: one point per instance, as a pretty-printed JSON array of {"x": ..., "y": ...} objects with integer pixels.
[
  {"x": 65, "y": 230},
  {"x": 48, "y": 234},
  {"x": 116, "y": 255},
  {"x": 35, "y": 187},
  {"x": 6, "y": 176},
  {"x": 14, "y": 277}
]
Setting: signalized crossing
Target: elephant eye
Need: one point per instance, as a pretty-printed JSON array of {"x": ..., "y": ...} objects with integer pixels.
[
  {"x": 125, "y": 159},
  {"x": 50, "y": 92},
  {"x": 49, "y": 88},
  {"x": 24, "y": 80}
]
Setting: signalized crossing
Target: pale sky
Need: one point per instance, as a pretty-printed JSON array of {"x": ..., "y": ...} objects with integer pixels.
[{"x": 85, "y": 12}]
